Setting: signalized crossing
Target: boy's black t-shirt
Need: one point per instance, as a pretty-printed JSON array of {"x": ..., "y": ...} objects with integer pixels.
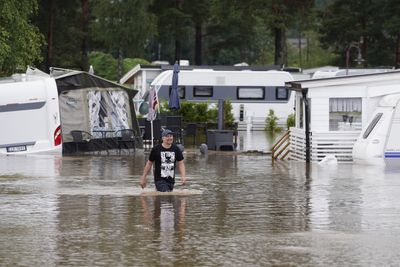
[{"x": 165, "y": 161}]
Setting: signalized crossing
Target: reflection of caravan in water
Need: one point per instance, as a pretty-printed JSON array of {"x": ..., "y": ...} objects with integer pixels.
[
  {"x": 29, "y": 115},
  {"x": 252, "y": 93},
  {"x": 379, "y": 141}
]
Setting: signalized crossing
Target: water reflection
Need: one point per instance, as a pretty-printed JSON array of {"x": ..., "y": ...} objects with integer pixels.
[
  {"x": 340, "y": 198},
  {"x": 166, "y": 214},
  {"x": 39, "y": 165},
  {"x": 257, "y": 140}
]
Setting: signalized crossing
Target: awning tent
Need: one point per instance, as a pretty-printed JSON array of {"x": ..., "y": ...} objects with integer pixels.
[{"x": 93, "y": 104}]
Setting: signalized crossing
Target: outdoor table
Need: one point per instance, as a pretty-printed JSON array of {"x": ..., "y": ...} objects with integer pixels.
[{"x": 103, "y": 133}]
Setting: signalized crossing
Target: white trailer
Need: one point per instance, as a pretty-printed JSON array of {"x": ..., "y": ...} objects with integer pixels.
[
  {"x": 252, "y": 93},
  {"x": 379, "y": 142},
  {"x": 29, "y": 114},
  {"x": 352, "y": 117}
]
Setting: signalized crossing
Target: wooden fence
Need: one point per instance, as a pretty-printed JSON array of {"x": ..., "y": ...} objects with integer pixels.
[{"x": 337, "y": 143}]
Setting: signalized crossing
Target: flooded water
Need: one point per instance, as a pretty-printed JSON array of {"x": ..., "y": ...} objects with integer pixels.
[
  {"x": 257, "y": 140},
  {"x": 89, "y": 211}
]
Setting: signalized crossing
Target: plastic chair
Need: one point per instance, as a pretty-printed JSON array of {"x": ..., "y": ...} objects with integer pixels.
[
  {"x": 174, "y": 123},
  {"x": 191, "y": 130},
  {"x": 82, "y": 140},
  {"x": 126, "y": 139},
  {"x": 156, "y": 131}
]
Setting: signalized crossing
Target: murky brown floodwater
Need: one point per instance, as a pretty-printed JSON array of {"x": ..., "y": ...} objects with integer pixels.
[{"x": 87, "y": 211}]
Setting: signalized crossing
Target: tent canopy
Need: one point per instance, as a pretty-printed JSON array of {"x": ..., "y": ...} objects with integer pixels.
[{"x": 89, "y": 103}]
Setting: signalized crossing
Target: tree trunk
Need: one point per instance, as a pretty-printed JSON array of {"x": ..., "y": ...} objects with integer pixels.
[
  {"x": 308, "y": 51},
  {"x": 199, "y": 44},
  {"x": 284, "y": 48},
  {"x": 178, "y": 26},
  {"x": 364, "y": 50},
  {"x": 178, "y": 50},
  {"x": 49, "y": 60},
  {"x": 363, "y": 41},
  {"x": 300, "y": 48},
  {"x": 120, "y": 66},
  {"x": 84, "y": 25},
  {"x": 397, "y": 56},
  {"x": 279, "y": 46}
]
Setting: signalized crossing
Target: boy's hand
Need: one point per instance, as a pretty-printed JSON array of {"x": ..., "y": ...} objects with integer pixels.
[
  {"x": 183, "y": 180},
  {"x": 143, "y": 182}
]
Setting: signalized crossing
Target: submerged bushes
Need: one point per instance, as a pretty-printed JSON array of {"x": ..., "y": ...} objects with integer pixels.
[{"x": 272, "y": 122}]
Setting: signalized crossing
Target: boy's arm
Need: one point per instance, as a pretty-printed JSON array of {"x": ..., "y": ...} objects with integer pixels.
[
  {"x": 182, "y": 171},
  {"x": 146, "y": 171}
]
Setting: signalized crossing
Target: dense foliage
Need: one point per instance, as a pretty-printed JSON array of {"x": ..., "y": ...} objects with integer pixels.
[
  {"x": 75, "y": 34},
  {"x": 200, "y": 112},
  {"x": 271, "y": 122},
  {"x": 20, "y": 40},
  {"x": 105, "y": 65}
]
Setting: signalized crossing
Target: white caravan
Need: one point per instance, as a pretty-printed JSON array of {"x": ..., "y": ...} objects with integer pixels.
[
  {"x": 252, "y": 93},
  {"x": 379, "y": 142},
  {"x": 29, "y": 114}
]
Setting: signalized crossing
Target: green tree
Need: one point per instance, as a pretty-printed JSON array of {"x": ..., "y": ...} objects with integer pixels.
[
  {"x": 304, "y": 24},
  {"x": 122, "y": 28},
  {"x": 228, "y": 115},
  {"x": 291, "y": 121},
  {"x": 20, "y": 41},
  {"x": 187, "y": 111},
  {"x": 63, "y": 24},
  {"x": 199, "y": 12},
  {"x": 282, "y": 15},
  {"x": 204, "y": 113},
  {"x": 105, "y": 65},
  {"x": 357, "y": 22},
  {"x": 174, "y": 31},
  {"x": 313, "y": 56},
  {"x": 272, "y": 122},
  {"x": 391, "y": 9},
  {"x": 231, "y": 33},
  {"x": 130, "y": 63}
]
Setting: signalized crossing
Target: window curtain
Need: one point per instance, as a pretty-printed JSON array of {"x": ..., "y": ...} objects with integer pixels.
[{"x": 345, "y": 105}]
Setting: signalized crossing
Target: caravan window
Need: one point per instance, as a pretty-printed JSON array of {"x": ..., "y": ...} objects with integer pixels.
[
  {"x": 372, "y": 125},
  {"x": 23, "y": 106},
  {"x": 181, "y": 91},
  {"x": 281, "y": 93},
  {"x": 203, "y": 91},
  {"x": 250, "y": 93},
  {"x": 345, "y": 114}
]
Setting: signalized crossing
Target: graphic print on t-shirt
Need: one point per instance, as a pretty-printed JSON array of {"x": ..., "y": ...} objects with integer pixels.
[{"x": 167, "y": 164}]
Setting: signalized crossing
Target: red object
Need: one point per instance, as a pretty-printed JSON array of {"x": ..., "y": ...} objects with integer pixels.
[{"x": 57, "y": 136}]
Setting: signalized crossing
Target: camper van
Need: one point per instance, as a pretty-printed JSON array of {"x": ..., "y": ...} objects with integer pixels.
[
  {"x": 29, "y": 115},
  {"x": 353, "y": 117},
  {"x": 379, "y": 142},
  {"x": 252, "y": 93}
]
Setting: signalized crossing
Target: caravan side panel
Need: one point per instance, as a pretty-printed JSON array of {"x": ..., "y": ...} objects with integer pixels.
[
  {"x": 255, "y": 91},
  {"x": 29, "y": 117},
  {"x": 392, "y": 150},
  {"x": 320, "y": 114}
]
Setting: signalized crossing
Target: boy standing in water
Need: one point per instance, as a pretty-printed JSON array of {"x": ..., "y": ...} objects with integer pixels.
[{"x": 166, "y": 157}]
